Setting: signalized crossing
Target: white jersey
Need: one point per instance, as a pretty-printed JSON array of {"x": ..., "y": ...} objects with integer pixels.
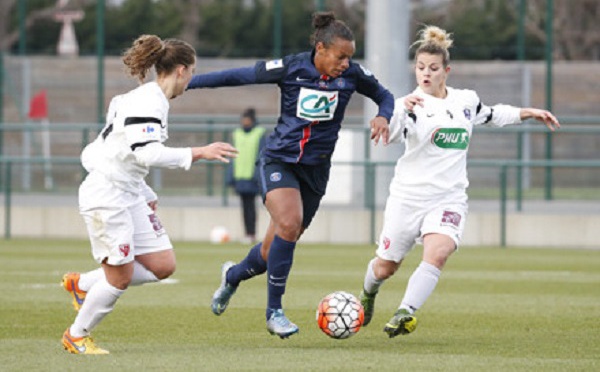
[
  {"x": 131, "y": 141},
  {"x": 436, "y": 138}
]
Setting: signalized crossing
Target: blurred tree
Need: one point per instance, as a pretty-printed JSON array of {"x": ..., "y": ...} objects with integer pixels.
[
  {"x": 575, "y": 25},
  {"x": 38, "y": 11},
  {"x": 124, "y": 23},
  {"x": 484, "y": 29},
  {"x": 189, "y": 11}
]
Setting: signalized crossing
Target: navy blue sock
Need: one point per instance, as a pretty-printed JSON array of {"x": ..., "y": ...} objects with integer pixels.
[
  {"x": 279, "y": 265},
  {"x": 249, "y": 267}
]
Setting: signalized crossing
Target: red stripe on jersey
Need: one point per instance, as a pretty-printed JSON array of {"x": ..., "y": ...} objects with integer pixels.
[{"x": 305, "y": 137}]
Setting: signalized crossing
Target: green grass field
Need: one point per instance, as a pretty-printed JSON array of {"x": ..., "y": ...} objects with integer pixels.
[{"x": 493, "y": 310}]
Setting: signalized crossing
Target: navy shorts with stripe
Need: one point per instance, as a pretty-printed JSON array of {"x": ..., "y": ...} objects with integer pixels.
[{"x": 311, "y": 180}]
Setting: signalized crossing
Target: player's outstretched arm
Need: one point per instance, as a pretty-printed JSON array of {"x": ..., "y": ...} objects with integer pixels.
[
  {"x": 215, "y": 151},
  {"x": 544, "y": 116}
]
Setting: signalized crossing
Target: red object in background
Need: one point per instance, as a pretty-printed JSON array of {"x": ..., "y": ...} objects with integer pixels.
[{"x": 38, "y": 107}]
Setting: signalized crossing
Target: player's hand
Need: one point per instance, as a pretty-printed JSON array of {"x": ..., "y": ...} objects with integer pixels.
[
  {"x": 411, "y": 101},
  {"x": 153, "y": 205},
  {"x": 220, "y": 151},
  {"x": 380, "y": 130},
  {"x": 544, "y": 116}
]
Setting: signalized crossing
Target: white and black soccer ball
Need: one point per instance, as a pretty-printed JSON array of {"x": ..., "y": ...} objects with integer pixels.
[{"x": 340, "y": 315}]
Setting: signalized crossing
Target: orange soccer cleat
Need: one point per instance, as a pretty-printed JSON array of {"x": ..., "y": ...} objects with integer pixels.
[
  {"x": 81, "y": 345},
  {"x": 70, "y": 283}
]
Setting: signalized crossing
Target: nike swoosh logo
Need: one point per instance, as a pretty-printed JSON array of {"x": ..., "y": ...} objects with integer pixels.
[
  {"x": 430, "y": 115},
  {"x": 301, "y": 79},
  {"x": 81, "y": 348}
]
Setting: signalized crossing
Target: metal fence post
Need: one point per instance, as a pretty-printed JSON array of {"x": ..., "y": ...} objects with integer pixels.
[
  {"x": 370, "y": 196},
  {"x": 503, "y": 176},
  {"x": 209, "y": 166},
  {"x": 7, "y": 199}
]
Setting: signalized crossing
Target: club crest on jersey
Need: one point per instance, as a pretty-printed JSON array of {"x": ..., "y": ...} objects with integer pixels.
[
  {"x": 467, "y": 113},
  {"x": 451, "y": 218},
  {"x": 124, "y": 249},
  {"x": 275, "y": 177},
  {"x": 316, "y": 105},
  {"x": 340, "y": 82},
  {"x": 451, "y": 138}
]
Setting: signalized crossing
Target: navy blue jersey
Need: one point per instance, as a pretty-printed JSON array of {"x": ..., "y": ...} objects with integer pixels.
[{"x": 312, "y": 105}]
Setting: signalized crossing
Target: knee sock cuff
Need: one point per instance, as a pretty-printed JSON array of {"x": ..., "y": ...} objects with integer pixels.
[{"x": 431, "y": 269}]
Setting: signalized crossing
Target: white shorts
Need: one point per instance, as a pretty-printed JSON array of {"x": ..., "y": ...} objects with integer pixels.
[
  {"x": 120, "y": 225},
  {"x": 406, "y": 222}
]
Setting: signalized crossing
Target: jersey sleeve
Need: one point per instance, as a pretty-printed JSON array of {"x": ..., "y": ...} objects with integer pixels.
[
  {"x": 495, "y": 116},
  {"x": 271, "y": 72},
  {"x": 368, "y": 86},
  {"x": 158, "y": 155},
  {"x": 498, "y": 115},
  {"x": 399, "y": 122},
  {"x": 143, "y": 122},
  {"x": 263, "y": 72},
  {"x": 225, "y": 78}
]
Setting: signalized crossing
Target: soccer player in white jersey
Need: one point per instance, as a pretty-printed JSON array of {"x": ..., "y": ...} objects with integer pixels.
[
  {"x": 118, "y": 207},
  {"x": 428, "y": 201}
]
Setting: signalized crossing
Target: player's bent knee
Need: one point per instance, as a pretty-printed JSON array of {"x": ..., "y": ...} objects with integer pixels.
[
  {"x": 165, "y": 271},
  {"x": 384, "y": 269},
  {"x": 289, "y": 230}
]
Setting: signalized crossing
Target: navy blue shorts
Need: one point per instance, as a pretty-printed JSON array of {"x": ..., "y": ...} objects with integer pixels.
[{"x": 311, "y": 180}]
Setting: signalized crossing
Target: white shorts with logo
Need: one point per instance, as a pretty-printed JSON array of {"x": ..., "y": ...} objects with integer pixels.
[
  {"x": 120, "y": 224},
  {"x": 406, "y": 222}
]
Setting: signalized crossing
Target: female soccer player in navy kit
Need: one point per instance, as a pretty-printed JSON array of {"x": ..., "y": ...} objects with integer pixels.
[
  {"x": 428, "y": 199},
  {"x": 117, "y": 205},
  {"x": 294, "y": 166}
]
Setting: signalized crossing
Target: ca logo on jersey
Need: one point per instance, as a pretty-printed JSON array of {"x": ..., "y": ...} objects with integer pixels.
[
  {"x": 316, "y": 104},
  {"x": 451, "y": 138}
]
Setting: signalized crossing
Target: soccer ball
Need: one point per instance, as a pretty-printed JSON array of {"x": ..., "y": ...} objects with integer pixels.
[
  {"x": 219, "y": 235},
  {"x": 340, "y": 315}
]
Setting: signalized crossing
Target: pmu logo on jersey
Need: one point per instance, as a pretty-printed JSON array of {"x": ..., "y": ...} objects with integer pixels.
[
  {"x": 451, "y": 138},
  {"x": 316, "y": 104},
  {"x": 148, "y": 129}
]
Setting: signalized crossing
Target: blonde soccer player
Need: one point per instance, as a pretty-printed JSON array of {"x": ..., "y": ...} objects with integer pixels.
[
  {"x": 428, "y": 201},
  {"x": 119, "y": 208}
]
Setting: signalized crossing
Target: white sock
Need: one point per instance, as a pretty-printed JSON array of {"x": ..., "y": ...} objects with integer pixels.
[
  {"x": 99, "y": 302},
  {"x": 371, "y": 284},
  {"x": 87, "y": 280},
  {"x": 142, "y": 275},
  {"x": 420, "y": 286}
]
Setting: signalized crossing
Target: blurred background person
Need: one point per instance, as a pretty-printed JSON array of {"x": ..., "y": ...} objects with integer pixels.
[{"x": 249, "y": 139}]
